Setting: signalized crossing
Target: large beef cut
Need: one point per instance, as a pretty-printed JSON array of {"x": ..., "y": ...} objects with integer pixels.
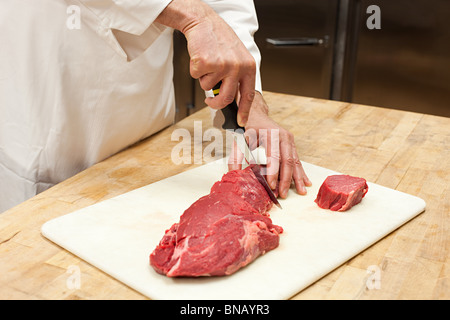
[
  {"x": 341, "y": 192},
  {"x": 220, "y": 232}
]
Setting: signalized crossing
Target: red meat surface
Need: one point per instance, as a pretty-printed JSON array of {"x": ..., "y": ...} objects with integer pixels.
[
  {"x": 341, "y": 192},
  {"x": 245, "y": 184},
  {"x": 220, "y": 232}
]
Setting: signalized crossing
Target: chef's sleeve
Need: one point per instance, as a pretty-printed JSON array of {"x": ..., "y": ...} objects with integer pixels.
[{"x": 241, "y": 17}]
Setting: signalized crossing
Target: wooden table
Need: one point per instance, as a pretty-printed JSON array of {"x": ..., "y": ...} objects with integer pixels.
[{"x": 401, "y": 150}]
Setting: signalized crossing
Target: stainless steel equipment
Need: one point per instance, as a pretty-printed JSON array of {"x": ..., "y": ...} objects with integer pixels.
[
  {"x": 324, "y": 49},
  {"x": 406, "y": 63},
  {"x": 296, "y": 40}
]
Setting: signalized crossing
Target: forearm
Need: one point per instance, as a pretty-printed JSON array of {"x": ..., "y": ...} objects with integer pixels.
[{"x": 182, "y": 15}]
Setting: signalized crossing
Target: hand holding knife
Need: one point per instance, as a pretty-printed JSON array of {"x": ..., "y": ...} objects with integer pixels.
[{"x": 230, "y": 123}]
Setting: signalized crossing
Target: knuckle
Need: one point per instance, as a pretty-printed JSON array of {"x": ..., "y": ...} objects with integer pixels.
[
  {"x": 290, "y": 161},
  {"x": 203, "y": 62},
  {"x": 233, "y": 68},
  {"x": 220, "y": 64},
  {"x": 248, "y": 63},
  {"x": 197, "y": 60},
  {"x": 286, "y": 135},
  {"x": 290, "y": 136},
  {"x": 196, "y": 67},
  {"x": 227, "y": 99},
  {"x": 251, "y": 64},
  {"x": 250, "y": 96},
  {"x": 274, "y": 158}
]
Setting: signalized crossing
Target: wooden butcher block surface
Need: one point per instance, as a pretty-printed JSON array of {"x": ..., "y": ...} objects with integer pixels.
[{"x": 118, "y": 235}]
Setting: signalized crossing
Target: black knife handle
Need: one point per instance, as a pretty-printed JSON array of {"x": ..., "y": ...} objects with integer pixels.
[{"x": 229, "y": 112}]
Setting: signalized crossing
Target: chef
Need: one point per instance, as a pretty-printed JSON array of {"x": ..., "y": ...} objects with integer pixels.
[{"x": 81, "y": 80}]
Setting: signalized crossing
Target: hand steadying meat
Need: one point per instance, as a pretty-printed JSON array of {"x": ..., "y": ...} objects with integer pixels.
[{"x": 283, "y": 163}]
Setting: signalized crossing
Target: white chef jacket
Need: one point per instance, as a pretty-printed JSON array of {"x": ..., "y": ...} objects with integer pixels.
[{"x": 83, "y": 79}]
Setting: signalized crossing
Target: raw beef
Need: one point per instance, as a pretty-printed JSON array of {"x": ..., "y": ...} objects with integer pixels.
[
  {"x": 341, "y": 192},
  {"x": 245, "y": 184},
  {"x": 220, "y": 232}
]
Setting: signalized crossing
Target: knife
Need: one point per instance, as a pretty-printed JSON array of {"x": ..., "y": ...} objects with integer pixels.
[{"x": 229, "y": 114}]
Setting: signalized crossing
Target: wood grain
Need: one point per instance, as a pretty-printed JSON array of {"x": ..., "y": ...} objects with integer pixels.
[{"x": 401, "y": 150}]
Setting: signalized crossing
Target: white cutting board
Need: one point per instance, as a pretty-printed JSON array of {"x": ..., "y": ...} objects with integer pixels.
[{"x": 118, "y": 235}]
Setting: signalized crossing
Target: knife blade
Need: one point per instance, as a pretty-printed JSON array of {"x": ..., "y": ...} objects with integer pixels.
[{"x": 229, "y": 114}]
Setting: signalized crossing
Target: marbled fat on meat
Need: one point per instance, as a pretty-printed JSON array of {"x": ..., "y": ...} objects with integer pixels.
[{"x": 220, "y": 232}]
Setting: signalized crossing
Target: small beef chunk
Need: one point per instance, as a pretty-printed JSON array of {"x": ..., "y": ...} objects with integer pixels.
[
  {"x": 220, "y": 232},
  {"x": 341, "y": 192}
]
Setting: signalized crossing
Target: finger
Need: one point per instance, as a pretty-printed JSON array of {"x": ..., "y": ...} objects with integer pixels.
[
  {"x": 287, "y": 166},
  {"x": 247, "y": 94},
  {"x": 226, "y": 95},
  {"x": 272, "y": 145},
  {"x": 208, "y": 81},
  {"x": 300, "y": 178},
  {"x": 235, "y": 158},
  {"x": 251, "y": 136},
  {"x": 199, "y": 66}
]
